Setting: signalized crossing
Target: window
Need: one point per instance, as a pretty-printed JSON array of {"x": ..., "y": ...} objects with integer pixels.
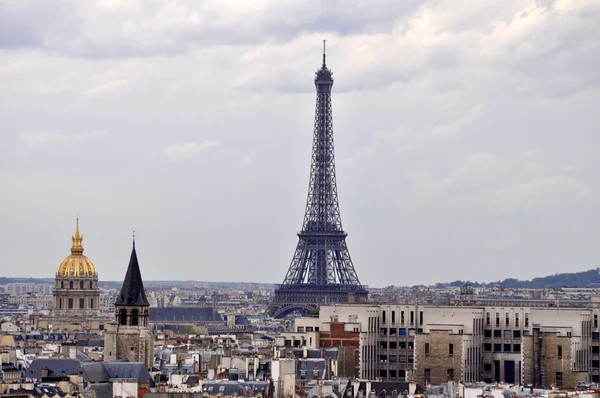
[
  {"x": 70, "y": 303},
  {"x": 402, "y": 317},
  {"x": 497, "y": 334},
  {"x": 383, "y": 331},
  {"x": 559, "y": 353},
  {"x": 392, "y": 331},
  {"x": 123, "y": 317},
  {"x": 517, "y": 334},
  {"x": 393, "y": 316},
  {"x": 59, "y": 303},
  {"x": 487, "y": 347},
  {"x": 595, "y": 349},
  {"x": 517, "y": 319},
  {"x": 393, "y": 345},
  {"x": 383, "y": 316},
  {"x": 595, "y": 363},
  {"x": 420, "y": 317},
  {"x": 427, "y": 375},
  {"x": 507, "y": 321},
  {"x": 134, "y": 318},
  {"x": 81, "y": 284},
  {"x": 300, "y": 329},
  {"x": 595, "y": 320},
  {"x": 508, "y": 334},
  {"x": 426, "y": 349},
  {"x": 487, "y": 318},
  {"x": 412, "y": 317},
  {"x": 71, "y": 285},
  {"x": 497, "y": 347},
  {"x": 497, "y": 319},
  {"x": 487, "y": 367},
  {"x": 91, "y": 286},
  {"x": 487, "y": 333},
  {"x": 450, "y": 374},
  {"x": 450, "y": 349},
  {"x": 92, "y": 303},
  {"x": 309, "y": 329},
  {"x": 517, "y": 347},
  {"x": 526, "y": 320},
  {"x": 507, "y": 347},
  {"x": 62, "y": 284},
  {"x": 81, "y": 303},
  {"x": 559, "y": 379}
]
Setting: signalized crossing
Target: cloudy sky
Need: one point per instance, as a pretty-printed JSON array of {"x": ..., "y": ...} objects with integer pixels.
[{"x": 466, "y": 135}]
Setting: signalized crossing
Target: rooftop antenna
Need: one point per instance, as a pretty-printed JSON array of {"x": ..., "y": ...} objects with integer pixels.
[
  {"x": 324, "y": 52},
  {"x": 133, "y": 237}
]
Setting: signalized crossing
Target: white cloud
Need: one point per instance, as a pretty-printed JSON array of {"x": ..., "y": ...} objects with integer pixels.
[
  {"x": 187, "y": 150},
  {"x": 35, "y": 139}
]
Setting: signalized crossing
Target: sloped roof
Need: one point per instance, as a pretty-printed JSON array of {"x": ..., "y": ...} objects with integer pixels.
[
  {"x": 103, "y": 390},
  {"x": 94, "y": 372},
  {"x": 56, "y": 367},
  {"x": 184, "y": 314},
  {"x": 132, "y": 291},
  {"x": 128, "y": 370}
]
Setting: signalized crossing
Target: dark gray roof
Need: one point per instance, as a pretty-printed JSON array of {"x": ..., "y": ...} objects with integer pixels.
[
  {"x": 94, "y": 372},
  {"x": 227, "y": 388},
  {"x": 56, "y": 368},
  {"x": 132, "y": 291},
  {"x": 128, "y": 370},
  {"x": 103, "y": 390},
  {"x": 184, "y": 314}
]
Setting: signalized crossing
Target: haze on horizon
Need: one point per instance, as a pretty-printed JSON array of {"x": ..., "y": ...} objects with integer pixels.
[{"x": 466, "y": 136}]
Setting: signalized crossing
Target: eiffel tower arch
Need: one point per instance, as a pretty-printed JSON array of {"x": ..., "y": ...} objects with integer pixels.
[{"x": 321, "y": 271}]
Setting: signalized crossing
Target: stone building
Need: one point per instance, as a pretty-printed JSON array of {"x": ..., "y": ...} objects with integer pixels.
[
  {"x": 128, "y": 336},
  {"x": 76, "y": 295}
]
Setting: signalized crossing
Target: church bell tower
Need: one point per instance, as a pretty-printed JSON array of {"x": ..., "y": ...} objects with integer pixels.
[{"x": 128, "y": 336}]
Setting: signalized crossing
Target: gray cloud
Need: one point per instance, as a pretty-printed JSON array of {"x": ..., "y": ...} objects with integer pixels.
[{"x": 465, "y": 135}]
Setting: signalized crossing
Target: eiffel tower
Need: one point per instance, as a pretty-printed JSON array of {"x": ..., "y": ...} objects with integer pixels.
[{"x": 321, "y": 271}]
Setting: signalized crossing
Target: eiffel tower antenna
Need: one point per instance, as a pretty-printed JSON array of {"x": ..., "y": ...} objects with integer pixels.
[{"x": 321, "y": 270}]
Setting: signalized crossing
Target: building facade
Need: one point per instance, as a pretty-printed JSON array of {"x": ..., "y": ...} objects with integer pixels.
[
  {"x": 76, "y": 292},
  {"x": 539, "y": 346}
]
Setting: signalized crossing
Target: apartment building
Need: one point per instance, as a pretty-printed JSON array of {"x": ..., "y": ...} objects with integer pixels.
[{"x": 539, "y": 346}]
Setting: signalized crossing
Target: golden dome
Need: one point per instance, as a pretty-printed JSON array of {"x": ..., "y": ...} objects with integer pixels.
[{"x": 77, "y": 265}]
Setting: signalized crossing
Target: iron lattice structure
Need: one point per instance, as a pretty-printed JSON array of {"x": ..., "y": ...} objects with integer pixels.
[{"x": 321, "y": 271}]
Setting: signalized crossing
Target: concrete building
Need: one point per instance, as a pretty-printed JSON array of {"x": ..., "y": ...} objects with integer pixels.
[{"x": 539, "y": 346}]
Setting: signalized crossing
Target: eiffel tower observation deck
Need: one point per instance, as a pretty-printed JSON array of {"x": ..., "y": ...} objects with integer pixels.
[{"x": 321, "y": 271}]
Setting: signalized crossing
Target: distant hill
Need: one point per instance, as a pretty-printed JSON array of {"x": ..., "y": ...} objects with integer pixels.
[
  {"x": 148, "y": 283},
  {"x": 556, "y": 281}
]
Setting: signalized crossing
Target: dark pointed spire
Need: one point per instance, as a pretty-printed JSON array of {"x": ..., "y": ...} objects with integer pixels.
[{"x": 132, "y": 291}]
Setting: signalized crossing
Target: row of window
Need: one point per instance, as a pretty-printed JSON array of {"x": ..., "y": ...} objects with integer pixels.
[
  {"x": 393, "y": 345},
  {"x": 131, "y": 319},
  {"x": 70, "y": 303},
  {"x": 498, "y": 334},
  {"x": 402, "y": 319},
  {"x": 72, "y": 285},
  {"x": 396, "y": 359},
  {"x": 398, "y": 332},
  {"x": 487, "y": 347},
  {"x": 506, "y": 319},
  {"x": 449, "y": 374}
]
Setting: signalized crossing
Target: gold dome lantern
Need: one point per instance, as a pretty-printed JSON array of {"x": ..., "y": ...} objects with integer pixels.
[{"x": 77, "y": 265}]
